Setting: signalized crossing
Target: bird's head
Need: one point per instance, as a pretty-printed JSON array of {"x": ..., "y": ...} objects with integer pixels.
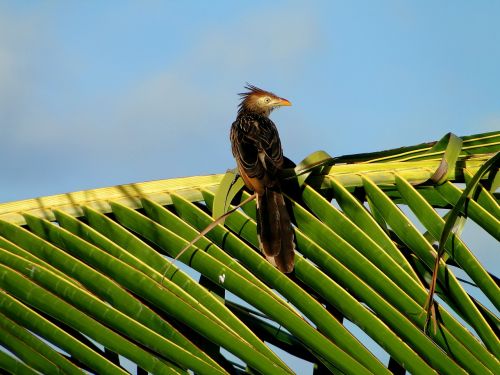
[{"x": 259, "y": 101}]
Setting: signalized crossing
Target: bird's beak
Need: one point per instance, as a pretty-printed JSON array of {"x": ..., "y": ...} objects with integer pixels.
[{"x": 283, "y": 103}]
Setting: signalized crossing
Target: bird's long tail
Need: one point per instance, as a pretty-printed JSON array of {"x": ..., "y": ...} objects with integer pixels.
[{"x": 275, "y": 229}]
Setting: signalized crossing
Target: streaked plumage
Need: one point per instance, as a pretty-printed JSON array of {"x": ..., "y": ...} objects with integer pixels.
[{"x": 257, "y": 149}]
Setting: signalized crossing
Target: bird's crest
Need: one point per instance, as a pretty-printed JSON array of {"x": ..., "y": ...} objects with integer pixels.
[
  {"x": 254, "y": 90},
  {"x": 252, "y": 93}
]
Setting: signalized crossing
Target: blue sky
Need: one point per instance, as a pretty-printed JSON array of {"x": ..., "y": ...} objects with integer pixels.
[
  {"x": 94, "y": 94},
  {"x": 101, "y": 93}
]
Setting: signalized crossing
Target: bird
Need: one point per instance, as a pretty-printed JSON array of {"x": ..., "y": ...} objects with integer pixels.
[{"x": 256, "y": 147}]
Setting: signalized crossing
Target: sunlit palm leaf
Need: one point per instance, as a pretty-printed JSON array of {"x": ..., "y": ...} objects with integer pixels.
[{"x": 91, "y": 273}]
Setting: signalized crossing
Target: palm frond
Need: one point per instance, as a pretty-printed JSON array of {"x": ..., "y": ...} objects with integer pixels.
[{"x": 86, "y": 278}]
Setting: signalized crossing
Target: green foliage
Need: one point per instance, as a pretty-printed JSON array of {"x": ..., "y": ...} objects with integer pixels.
[{"x": 91, "y": 272}]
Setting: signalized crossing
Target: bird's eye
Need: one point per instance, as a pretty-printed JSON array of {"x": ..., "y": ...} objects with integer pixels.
[{"x": 268, "y": 100}]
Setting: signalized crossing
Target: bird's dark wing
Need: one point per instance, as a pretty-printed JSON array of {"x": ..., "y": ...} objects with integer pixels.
[
  {"x": 257, "y": 149},
  {"x": 256, "y": 146}
]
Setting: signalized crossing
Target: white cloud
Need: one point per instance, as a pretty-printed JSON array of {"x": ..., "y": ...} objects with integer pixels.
[
  {"x": 199, "y": 87},
  {"x": 189, "y": 106},
  {"x": 19, "y": 44},
  {"x": 184, "y": 109}
]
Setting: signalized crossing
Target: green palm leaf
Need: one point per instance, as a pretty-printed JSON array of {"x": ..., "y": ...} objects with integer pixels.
[{"x": 87, "y": 278}]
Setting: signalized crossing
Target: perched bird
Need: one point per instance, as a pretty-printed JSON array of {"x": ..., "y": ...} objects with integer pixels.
[{"x": 256, "y": 146}]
